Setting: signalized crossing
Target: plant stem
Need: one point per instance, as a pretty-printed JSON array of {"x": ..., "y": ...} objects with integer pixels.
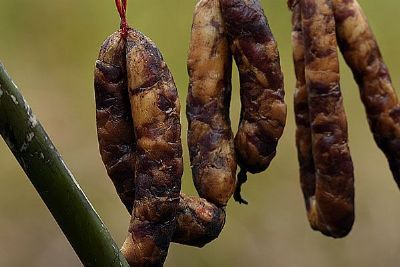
[{"x": 52, "y": 179}]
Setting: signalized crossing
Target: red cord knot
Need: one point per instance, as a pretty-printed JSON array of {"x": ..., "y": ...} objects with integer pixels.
[{"x": 121, "y": 7}]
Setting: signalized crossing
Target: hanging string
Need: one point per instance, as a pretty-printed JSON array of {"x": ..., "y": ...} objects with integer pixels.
[
  {"x": 121, "y": 7},
  {"x": 242, "y": 178}
]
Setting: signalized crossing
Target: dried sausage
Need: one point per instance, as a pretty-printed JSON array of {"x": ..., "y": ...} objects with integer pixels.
[
  {"x": 361, "y": 52},
  {"x": 113, "y": 116},
  {"x": 198, "y": 221},
  {"x": 210, "y": 137},
  {"x": 334, "y": 193},
  {"x": 263, "y": 113},
  {"x": 158, "y": 159},
  {"x": 302, "y": 116}
]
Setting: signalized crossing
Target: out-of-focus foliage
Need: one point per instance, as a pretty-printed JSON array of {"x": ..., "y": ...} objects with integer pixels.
[{"x": 49, "y": 48}]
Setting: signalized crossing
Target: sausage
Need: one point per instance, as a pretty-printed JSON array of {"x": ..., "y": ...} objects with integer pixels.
[
  {"x": 210, "y": 137},
  {"x": 302, "y": 116},
  {"x": 334, "y": 192},
  {"x": 113, "y": 116},
  {"x": 158, "y": 159},
  {"x": 361, "y": 53},
  {"x": 263, "y": 114},
  {"x": 198, "y": 221}
]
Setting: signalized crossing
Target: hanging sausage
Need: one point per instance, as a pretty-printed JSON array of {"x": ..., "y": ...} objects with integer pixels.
[{"x": 263, "y": 114}]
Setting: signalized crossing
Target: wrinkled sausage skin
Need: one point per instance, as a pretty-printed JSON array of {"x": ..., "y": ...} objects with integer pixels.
[
  {"x": 113, "y": 116},
  {"x": 263, "y": 114},
  {"x": 210, "y": 137},
  {"x": 334, "y": 193},
  {"x": 198, "y": 221},
  {"x": 158, "y": 159},
  {"x": 361, "y": 52},
  {"x": 302, "y": 116}
]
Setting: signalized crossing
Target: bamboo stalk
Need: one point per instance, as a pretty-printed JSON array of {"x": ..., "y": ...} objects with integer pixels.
[{"x": 52, "y": 179}]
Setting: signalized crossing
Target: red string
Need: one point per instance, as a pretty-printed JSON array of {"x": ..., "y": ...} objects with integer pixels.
[
  {"x": 121, "y": 7},
  {"x": 124, "y": 4}
]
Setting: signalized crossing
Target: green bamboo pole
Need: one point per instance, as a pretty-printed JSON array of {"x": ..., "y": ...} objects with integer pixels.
[{"x": 52, "y": 179}]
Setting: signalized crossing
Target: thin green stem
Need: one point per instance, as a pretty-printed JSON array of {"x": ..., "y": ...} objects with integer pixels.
[{"x": 52, "y": 179}]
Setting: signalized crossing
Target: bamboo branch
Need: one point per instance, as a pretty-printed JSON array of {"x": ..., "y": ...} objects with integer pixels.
[{"x": 52, "y": 179}]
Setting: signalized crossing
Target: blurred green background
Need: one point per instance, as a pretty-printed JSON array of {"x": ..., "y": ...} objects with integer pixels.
[{"x": 49, "y": 48}]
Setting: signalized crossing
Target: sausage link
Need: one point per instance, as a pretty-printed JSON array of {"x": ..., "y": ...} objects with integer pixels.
[
  {"x": 113, "y": 116},
  {"x": 199, "y": 222},
  {"x": 302, "y": 116},
  {"x": 263, "y": 114},
  {"x": 334, "y": 205},
  {"x": 210, "y": 136},
  {"x": 361, "y": 52},
  {"x": 158, "y": 159}
]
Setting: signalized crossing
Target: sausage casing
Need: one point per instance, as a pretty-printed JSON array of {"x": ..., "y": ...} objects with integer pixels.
[
  {"x": 263, "y": 114},
  {"x": 113, "y": 116},
  {"x": 158, "y": 159},
  {"x": 210, "y": 137},
  {"x": 302, "y": 116},
  {"x": 361, "y": 52},
  {"x": 334, "y": 205},
  {"x": 198, "y": 221}
]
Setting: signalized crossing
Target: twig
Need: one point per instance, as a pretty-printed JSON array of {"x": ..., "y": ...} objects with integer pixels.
[{"x": 52, "y": 179}]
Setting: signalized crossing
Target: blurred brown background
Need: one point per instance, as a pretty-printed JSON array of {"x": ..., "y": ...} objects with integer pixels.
[{"x": 49, "y": 48}]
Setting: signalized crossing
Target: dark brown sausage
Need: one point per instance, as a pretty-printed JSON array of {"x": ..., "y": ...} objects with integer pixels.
[
  {"x": 334, "y": 205},
  {"x": 158, "y": 158},
  {"x": 302, "y": 116},
  {"x": 263, "y": 114},
  {"x": 113, "y": 114},
  {"x": 210, "y": 137},
  {"x": 199, "y": 222},
  {"x": 361, "y": 52}
]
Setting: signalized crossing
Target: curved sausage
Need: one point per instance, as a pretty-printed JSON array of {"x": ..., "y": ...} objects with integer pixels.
[
  {"x": 113, "y": 116},
  {"x": 158, "y": 159},
  {"x": 361, "y": 52},
  {"x": 334, "y": 193},
  {"x": 210, "y": 137},
  {"x": 198, "y": 221},
  {"x": 263, "y": 114},
  {"x": 302, "y": 117}
]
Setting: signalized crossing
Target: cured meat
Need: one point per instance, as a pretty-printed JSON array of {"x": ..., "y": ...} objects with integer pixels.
[
  {"x": 198, "y": 221},
  {"x": 263, "y": 114},
  {"x": 361, "y": 52},
  {"x": 113, "y": 116},
  {"x": 210, "y": 137},
  {"x": 158, "y": 157},
  {"x": 302, "y": 116},
  {"x": 333, "y": 211}
]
